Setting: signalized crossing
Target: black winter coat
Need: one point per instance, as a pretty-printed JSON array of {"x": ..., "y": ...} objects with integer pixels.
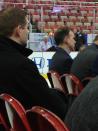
[
  {"x": 20, "y": 78},
  {"x": 61, "y": 62}
]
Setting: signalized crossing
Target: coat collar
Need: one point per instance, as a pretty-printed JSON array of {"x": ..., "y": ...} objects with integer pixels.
[
  {"x": 8, "y": 42},
  {"x": 63, "y": 50}
]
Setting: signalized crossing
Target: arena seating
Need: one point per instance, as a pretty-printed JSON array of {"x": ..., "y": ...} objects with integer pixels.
[
  {"x": 13, "y": 117},
  {"x": 72, "y": 84},
  {"x": 42, "y": 119},
  {"x": 54, "y": 79},
  {"x": 78, "y": 14},
  {"x": 14, "y": 113}
]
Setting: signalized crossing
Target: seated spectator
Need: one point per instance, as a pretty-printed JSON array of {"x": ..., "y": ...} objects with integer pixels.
[
  {"x": 83, "y": 114},
  {"x": 51, "y": 39},
  {"x": 19, "y": 75},
  {"x": 44, "y": 44},
  {"x": 61, "y": 60},
  {"x": 82, "y": 64}
]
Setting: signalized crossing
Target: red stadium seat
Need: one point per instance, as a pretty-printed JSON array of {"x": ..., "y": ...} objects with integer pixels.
[
  {"x": 54, "y": 79},
  {"x": 72, "y": 83},
  {"x": 42, "y": 119},
  {"x": 16, "y": 113}
]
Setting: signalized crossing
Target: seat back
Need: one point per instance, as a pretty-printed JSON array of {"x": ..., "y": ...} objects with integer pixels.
[
  {"x": 16, "y": 113},
  {"x": 42, "y": 119},
  {"x": 72, "y": 83},
  {"x": 55, "y": 81}
]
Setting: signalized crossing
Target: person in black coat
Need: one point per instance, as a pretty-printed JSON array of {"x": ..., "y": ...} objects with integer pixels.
[
  {"x": 61, "y": 61},
  {"x": 19, "y": 75},
  {"x": 83, "y": 114},
  {"x": 80, "y": 40},
  {"x": 82, "y": 65}
]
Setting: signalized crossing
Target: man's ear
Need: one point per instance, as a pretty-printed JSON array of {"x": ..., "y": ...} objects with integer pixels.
[
  {"x": 18, "y": 30},
  {"x": 66, "y": 39}
]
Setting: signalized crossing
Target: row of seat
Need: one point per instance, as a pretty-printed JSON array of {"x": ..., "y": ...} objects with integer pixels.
[
  {"x": 15, "y": 1},
  {"x": 69, "y": 84},
  {"x": 13, "y": 117},
  {"x": 83, "y": 19},
  {"x": 49, "y": 1},
  {"x": 72, "y": 17},
  {"x": 87, "y": 29},
  {"x": 66, "y": 23},
  {"x": 49, "y": 12}
]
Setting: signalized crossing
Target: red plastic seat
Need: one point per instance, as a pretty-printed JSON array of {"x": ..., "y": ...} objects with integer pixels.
[
  {"x": 72, "y": 84},
  {"x": 55, "y": 81},
  {"x": 16, "y": 113},
  {"x": 42, "y": 119}
]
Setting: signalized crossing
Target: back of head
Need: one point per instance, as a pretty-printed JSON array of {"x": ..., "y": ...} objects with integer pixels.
[{"x": 10, "y": 18}]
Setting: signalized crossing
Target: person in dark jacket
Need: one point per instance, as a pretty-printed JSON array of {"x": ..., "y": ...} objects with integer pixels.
[
  {"x": 19, "y": 75},
  {"x": 80, "y": 40},
  {"x": 82, "y": 65},
  {"x": 83, "y": 114},
  {"x": 61, "y": 61}
]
